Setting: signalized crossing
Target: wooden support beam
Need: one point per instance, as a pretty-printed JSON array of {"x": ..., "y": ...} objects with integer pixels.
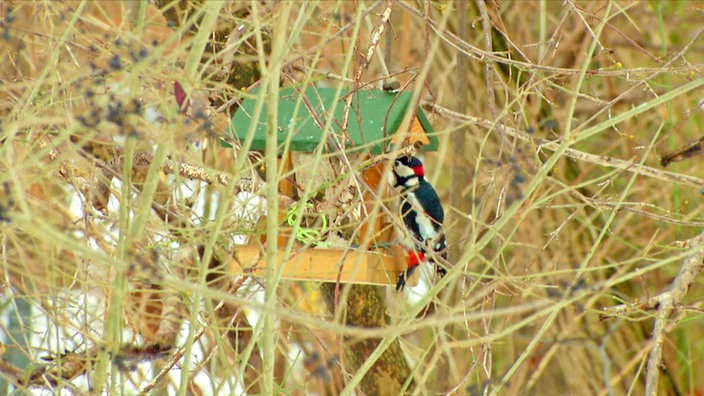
[{"x": 324, "y": 265}]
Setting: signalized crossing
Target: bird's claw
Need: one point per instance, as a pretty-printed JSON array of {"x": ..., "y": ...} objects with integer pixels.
[
  {"x": 403, "y": 277},
  {"x": 401, "y": 283}
]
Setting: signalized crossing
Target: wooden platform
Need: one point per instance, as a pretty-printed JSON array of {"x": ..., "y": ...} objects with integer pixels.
[{"x": 325, "y": 265}]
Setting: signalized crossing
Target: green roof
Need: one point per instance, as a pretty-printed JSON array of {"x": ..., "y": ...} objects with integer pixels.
[{"x": 374, "y": 116}]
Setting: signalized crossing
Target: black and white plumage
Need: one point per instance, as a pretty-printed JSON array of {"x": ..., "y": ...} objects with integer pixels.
[{"x": 422, "y": 215}]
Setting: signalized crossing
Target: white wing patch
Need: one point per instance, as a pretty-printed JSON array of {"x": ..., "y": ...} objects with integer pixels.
[{"x": 425, "y": 223}]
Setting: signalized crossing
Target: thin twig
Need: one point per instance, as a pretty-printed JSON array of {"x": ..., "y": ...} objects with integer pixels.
[
  {"x": 667, "y": 302},
  {"x": 602, "y": 160},
  {"x": 481, "y": 55},
  {"x": 179, "y": 354},
  {"x": 489, "y": 69},
  {"x": 306, "y": 55},
  {"x": 376, "y": 37}
]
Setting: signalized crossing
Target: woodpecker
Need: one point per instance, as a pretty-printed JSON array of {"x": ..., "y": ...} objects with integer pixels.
[{"x": 422, "y": 215}]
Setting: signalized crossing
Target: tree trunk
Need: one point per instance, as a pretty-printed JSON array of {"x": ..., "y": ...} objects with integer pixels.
[{"x": 365, "y": 307}]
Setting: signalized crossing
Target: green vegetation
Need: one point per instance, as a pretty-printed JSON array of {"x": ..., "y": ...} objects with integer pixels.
[{"x": 568, "y": 135}]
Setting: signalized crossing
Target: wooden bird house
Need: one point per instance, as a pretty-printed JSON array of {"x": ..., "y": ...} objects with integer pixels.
[{"x": 315, "y": 124}]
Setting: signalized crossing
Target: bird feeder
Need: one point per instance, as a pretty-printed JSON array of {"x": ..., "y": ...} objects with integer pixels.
[{"x": 311, "y": 120}]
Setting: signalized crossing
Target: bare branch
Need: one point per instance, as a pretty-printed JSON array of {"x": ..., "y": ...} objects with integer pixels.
[{"x": 602, "y": 160}]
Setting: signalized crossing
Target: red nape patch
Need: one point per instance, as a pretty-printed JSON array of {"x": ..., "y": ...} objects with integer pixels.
[
  {"x": 415, "y": 258},
  {"x": 418, "y": 170}
]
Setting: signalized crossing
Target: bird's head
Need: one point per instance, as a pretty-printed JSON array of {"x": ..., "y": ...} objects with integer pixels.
[{"x": 407, "y": 171}]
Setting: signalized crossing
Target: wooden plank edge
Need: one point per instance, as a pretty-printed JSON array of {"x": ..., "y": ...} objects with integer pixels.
[{"x": 324, "y": 265}]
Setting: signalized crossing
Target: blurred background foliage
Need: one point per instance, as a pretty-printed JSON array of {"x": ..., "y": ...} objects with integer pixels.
[{"x": 120, "y": 208}]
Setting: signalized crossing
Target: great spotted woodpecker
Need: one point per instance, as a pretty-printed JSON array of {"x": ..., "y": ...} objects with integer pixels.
[{"x": 422, "y": 215}]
